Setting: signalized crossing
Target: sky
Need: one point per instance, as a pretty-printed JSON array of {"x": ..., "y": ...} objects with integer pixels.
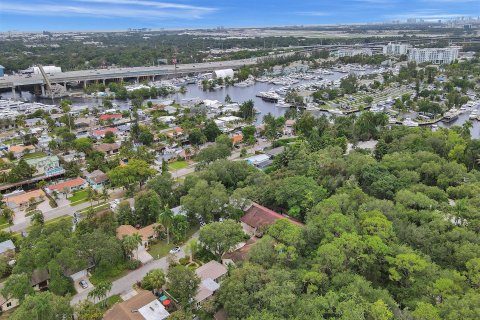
[{"x": 74, "y": 15}]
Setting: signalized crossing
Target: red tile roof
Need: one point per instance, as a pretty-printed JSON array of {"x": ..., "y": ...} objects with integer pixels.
[
  {"x": 67, "y": 184},
  {"x": 102, "y": 132},
  {"x": 258, "y": 216},
  {"x": 105, "y": 117},
  {"x": 237, "y": 138}
]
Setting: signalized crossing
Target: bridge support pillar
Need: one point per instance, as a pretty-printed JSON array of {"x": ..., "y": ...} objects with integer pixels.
[
  {"x": 43, "y": 90},
  {"x": 84, "y": 84},
  {"x": 13, "y": 92},
  {"x": 103, "y": 81},
  {"x": 65, "y": 86}
]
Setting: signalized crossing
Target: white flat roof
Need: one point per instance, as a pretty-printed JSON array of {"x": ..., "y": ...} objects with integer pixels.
[{"x": 154, "y": 311}]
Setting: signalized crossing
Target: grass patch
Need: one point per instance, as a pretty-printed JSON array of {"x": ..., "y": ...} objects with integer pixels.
[
  {"x": 111, "y": 274},
  {"x": 56, "y": 220},
  {"x": 3, "y": 222},
  {"x": 178, "y": 165},
  {"x": 109, "y": 302},
  {"x": 96, "y": 208},
  {"x": 160, "y": 248},
  {"x": 78, "y": 197},
  {"x": 34, "y": 155}
]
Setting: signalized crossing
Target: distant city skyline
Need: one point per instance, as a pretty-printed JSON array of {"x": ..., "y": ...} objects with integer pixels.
[{"x": 77, "y": 15}]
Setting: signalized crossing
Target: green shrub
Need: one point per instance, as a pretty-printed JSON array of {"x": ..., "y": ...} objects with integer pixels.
[
  {"x": 133, "y": 264},
  {"x": 184, "y": 261}
]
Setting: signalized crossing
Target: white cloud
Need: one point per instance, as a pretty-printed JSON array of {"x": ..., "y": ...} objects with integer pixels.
[{"x": 111, "y": 8}]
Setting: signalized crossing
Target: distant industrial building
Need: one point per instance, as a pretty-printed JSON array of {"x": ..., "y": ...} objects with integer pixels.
[
  {"x": 433, "y": 55},
  {"x": 353, "y": 52},
  {"x": 393, "y": 49}
]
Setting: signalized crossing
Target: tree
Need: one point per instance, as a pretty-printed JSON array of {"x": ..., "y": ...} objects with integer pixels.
[
  {"x": 136, "y": 171},
  {"x": 179, "y": 227},
  {"x": 214, "y": 152},
  {"x": 192, "y": 248},
  {"x": 166, "y": 219},
  {"x": 154, "y": 280},
  {"x": 109, "y": 137},
  {"x": 220, "y": 237},
  {"x": 83, "y": 145},
  {"x": 87, "y": 310},
  {"x": 124, "y": 213},
  {"x": 147, "y": 207},
  {"x": 196, "y": 137},
  {"x": 92, "y": 195},
  {"x": 247, "y": 110},
  {"x": 8, "y": 214},
  {"x": 100, "y": 291},
  {"x": 248, "y": 133},
  {"x": 273, "y": 126},
  {"x": 44, "y": 306},
  {"x": 208, "y": 201},
  {"x": 163, "y": 185},
  {"x": 425, "y": 311},
  {"x": 38, "y": 218},
  {"x": 349, "y": 84},
  {"x": 17, "y": 286},
  {"x": 182, "y": 284},
  {"x": 211, "y": 131},
  {"x": 131, "y": 242}
]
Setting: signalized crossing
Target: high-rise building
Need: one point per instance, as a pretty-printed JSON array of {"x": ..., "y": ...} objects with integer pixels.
[
  {"x": 395, "y": 49},
  {"x": 433, "y": 55}
]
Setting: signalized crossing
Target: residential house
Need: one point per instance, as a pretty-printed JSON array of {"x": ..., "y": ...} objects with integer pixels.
[
  {"x": 34, "y": 122},
  {"x": 49, "y": 165},
  {"x": 97, "y": 179},
  {"x": 237, "y": 139},
  {"x": 107, "y": 148},
  {"x": 21, "y": 201},
  {"x": 240, "y": 254},
  {"x": 142, "y": 306},
  {"x": 210, "y": 274},
  {"x": 147, "y": 233},
  {"x": 260, "y": 161},
  {"x": 7, "y": 248},
  {"x": 7, "y": 304},
  {"x": 114, "y": 116},
  {"x": 20, "y": 150},
  {"x": 100, "y": 133},
  {"x": 39, "y": 280},
  {"x": 176, "y": 133},
  {"x": 68, "y": 186},
  {"x": 257, "y": 218},
  {"x": 289, "y": 127}
]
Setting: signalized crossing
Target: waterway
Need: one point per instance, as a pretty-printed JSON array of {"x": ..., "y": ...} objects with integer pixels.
[{"x": 237, "y": 94}]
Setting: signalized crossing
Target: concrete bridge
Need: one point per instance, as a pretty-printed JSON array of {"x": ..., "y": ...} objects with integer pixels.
[{"x": 102, "y": 75}]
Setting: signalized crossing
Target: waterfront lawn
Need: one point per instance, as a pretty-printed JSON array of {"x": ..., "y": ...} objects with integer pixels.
[
  {"x": 34, "y": 155},
  {"x": 78, "y": 197},
  {"x": 178, "y": 165}
]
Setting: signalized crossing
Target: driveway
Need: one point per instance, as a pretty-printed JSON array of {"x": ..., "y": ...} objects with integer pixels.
[{"x": 124, "y": 284}]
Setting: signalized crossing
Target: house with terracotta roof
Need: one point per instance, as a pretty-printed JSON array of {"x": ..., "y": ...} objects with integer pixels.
[
  {"x": 20, "y": 150},
  {"x": 258, "y": 218},
  {"x": 21, "y": 201},
  {"x": 142, "y": 306},
  {"x": 176, "y": 132},
  {"x": 68, "y": 186},
  {"x": 110, "y": 116},
  {"x": 240, "y": 254},
  {"x": 100, "y": 133},
  {"x": 147, "y": 233},
  {"x": 236, "y": 139}
]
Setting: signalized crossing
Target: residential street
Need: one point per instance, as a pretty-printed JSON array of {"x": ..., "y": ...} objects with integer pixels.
[{"x": 124, "y": 284}]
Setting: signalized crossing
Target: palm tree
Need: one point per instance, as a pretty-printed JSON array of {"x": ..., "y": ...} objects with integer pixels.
[
  {"x": 38, "y": 218},
  {"x": 155, "y": 279},
  {"x": 104, "y": 196},
  {"x": 166, "y": 219},
  {"x": 8, "y": 214},
  {"x": 100, "y": 291},
  {"x": 192, "y": 248},
  {"x": 465, "y": 131},
  {"x": 129, "y": 244},
  {"x": 90, "y": 195}
]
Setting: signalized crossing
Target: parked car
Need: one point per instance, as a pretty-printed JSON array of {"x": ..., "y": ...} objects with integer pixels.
[
  {"x": 83, "y": 284},
  {"x": 175, "y": 250}
]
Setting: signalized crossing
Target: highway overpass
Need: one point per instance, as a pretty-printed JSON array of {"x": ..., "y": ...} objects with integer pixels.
[{"x": 11, "y": 82}]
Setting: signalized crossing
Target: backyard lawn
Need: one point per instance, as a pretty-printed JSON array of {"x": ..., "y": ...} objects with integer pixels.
[
  {"x": 161, "y": 248},
  {"x": 34, "y": 155},
  {"x": 178, "y": 165},
  {"x": 78, "y": 197}
]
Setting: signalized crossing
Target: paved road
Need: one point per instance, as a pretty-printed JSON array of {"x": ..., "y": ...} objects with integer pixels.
[{"x": 124, "y": 284}]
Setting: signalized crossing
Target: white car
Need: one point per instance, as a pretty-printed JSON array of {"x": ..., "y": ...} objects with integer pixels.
[{"x": 175, "y": 250}]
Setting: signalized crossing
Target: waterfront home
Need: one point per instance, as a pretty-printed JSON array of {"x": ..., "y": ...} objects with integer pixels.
[{"x": 108, "y": 116}]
